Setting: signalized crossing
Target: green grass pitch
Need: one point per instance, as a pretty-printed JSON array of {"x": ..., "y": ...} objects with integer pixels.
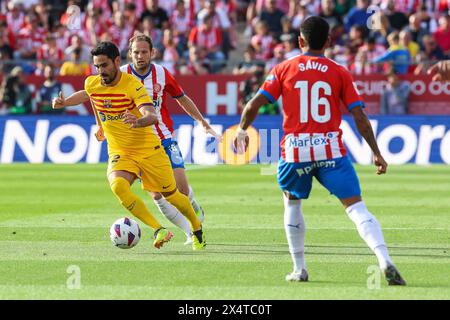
[{"x": 56, "y": 216}]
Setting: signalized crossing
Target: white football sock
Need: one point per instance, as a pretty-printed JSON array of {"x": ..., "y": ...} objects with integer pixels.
[
  {"x": 194, "y": 202},
  {"x": 294, "y": 225},
  {"x": 370, "y": 231},
  {"x": 173, "y": 215}
]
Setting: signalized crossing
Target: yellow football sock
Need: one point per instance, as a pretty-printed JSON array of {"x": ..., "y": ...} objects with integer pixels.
[
  {"x": 122, "y": 190},
  {"x": 182, "y": 203}
]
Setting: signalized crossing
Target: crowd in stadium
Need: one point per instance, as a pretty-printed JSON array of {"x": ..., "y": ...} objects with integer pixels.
[{"x": 199, "y": 36}]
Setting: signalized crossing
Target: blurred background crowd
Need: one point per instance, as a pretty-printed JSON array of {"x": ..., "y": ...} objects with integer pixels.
[{"x": 49, "y": 38}]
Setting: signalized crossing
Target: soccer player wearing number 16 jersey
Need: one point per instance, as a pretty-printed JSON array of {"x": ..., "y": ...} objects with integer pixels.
[{"x": 312, "y": 88}]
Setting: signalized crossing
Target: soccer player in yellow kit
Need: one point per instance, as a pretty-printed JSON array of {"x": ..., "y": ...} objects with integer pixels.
[{"x": 127, "y": 114}]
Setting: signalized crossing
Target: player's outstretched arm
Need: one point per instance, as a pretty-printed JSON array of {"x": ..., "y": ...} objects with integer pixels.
[
  {"x": 441, "y": 71},
  {"x": 248, "y": 116},
  {"x": 366, "y": 131},
  {"x": 148, "y": 118},
  {"x": 191, "y": 109},
  {"x": 74, "y": 99}
]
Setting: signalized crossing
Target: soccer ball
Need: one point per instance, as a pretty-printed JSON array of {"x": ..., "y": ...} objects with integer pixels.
[{"x": 125, "y": 233}]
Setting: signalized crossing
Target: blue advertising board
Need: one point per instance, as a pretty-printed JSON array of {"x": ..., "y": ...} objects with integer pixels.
[{"x": 70, "y": 139}]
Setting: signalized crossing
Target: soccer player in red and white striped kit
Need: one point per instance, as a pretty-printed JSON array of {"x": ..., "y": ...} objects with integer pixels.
[{"x": 312, "y": 88}]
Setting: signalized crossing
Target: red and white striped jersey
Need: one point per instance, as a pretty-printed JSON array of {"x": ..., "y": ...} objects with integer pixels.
[
  {"x": 180, "y": 24},
  {"x": 206, "y": 39},
  {"x": 54, "y": 55},
  {"x": 404, "y": 6},
  {"x": 15, "y": 23},
  {"x": 312, "y": 89},
  {"x": 159, "y": 82},
  {"x": 31, "y": 40}
]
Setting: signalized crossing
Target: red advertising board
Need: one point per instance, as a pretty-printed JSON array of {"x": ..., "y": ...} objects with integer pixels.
[
  {"x": 426, "y": 97},
  {"x": 219, "y": 94}
]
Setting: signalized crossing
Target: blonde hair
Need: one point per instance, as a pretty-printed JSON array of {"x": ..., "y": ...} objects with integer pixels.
[{"x": 140, "y": 37}]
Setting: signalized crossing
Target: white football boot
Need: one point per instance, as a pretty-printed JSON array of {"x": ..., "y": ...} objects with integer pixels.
[{"x": 298, "y": 277}]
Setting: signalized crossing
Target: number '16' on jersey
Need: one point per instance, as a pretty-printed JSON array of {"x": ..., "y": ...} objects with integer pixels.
[{"x": 312, "y": 89}]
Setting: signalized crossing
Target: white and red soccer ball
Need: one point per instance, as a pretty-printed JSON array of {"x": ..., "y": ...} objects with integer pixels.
[{"x": 125, "y": 233}]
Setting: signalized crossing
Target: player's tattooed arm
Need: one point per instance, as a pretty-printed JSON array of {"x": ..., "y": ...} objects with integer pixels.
[
  {"x": 148, "y": 118},
  {"x": 251, "y": 110},
  {"x": 74, "y": 99},
  {"x": 365, "y": 130}
]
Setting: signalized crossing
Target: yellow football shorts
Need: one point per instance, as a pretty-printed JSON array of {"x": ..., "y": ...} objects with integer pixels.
[{"x": 154, "y": 170}]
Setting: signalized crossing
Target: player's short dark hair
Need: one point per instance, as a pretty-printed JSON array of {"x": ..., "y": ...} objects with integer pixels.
[
  {"x": 315, "y": 31},
  {"x": 106, "y": 48}
]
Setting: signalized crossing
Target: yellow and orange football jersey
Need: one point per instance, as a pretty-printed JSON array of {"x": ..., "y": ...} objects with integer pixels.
[{"x": 111, "y": 103}]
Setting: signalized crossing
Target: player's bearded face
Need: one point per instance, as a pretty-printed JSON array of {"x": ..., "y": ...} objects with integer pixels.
[
  {"x": 108, "y": 77},
  {"x": 141, "y": 54},
  {"x": 106, "y": 69}
]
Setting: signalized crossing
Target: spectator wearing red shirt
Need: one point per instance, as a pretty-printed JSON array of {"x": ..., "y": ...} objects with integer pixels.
[
  {"x": 30, "y": 38},
  {"x": 220, "y": 16},
  {"x": 15, "y": 17},
  {"x": 221, "y": 21},
  {"x": 444, "y": 5},
  {"x": 62, "y": 36},
  {"x": 8, "y": 34},
  {"x": 209, "y": 38},
  {"x": 121, "y": 32},
  {"x": 49, "y": 53},
  {"x": 404, "y": 6},
  {"x": 95, "y": 24},
  {"x": 442, "y": 34},
  {"x": 180, "y": 20}
]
